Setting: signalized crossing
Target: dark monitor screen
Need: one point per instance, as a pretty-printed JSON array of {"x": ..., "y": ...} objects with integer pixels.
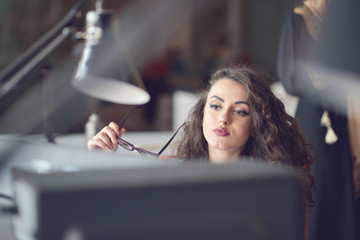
[{"x": 243, "y": 200}]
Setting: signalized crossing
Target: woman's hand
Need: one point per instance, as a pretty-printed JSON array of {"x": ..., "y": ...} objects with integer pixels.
[{"x": 106, "y": 138}]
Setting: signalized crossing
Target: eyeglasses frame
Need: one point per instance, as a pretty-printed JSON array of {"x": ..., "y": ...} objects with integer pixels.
[{"x": 141, "y": 150}]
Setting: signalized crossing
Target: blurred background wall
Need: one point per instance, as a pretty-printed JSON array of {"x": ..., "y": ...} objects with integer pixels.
[{"x": 211, "y": 33}]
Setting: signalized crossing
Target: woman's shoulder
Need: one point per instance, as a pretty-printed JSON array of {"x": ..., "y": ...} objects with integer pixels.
[{"x": 168, "y": 157}]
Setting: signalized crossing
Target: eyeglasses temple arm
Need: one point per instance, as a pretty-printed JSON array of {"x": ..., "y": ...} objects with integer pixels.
[
  {"x": 127, "y": 115},
  {"x": 167, "y": 144}
]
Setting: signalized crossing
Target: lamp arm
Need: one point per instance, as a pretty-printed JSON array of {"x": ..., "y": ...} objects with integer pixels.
[
  {"x": 35, "y": 61},
  {"x": 23, "y": 64}
]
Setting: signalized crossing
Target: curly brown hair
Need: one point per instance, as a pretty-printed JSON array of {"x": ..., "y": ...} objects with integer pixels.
[{"x": 276, "y": 136}]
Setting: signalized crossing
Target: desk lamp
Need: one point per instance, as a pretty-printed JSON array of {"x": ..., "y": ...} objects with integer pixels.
[{"x": 99, "y": 76}]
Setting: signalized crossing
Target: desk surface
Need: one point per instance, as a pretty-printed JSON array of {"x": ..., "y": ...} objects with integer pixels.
[
  {"x": 152, "y": 141},
  {"x": 30, "y": 151},
  {"x": 70, "y": 151}
]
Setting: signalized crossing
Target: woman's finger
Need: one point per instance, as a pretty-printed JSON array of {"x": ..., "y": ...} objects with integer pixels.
[{"x": 96, "y": 143}]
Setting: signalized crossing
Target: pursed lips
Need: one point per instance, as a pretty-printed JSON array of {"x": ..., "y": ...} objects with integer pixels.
[{"x": 220, "y": 131}]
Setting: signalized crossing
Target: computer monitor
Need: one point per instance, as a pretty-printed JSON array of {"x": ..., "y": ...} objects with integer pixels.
[{"x": 243, "y": 200}]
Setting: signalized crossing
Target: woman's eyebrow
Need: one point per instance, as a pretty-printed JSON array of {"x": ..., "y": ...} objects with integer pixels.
[
  {"x": 222, "y": 100},
  {"x": 217, "y": 97},
  {"x": 241, "y": 102}
]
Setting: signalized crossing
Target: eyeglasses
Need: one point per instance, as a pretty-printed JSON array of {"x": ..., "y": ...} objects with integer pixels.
[{"x": 129, "y": 146}]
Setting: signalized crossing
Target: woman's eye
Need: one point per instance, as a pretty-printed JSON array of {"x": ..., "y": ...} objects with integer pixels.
[
  {"x": 241, "y": 112},
  {"x": 214, "y": 106}
]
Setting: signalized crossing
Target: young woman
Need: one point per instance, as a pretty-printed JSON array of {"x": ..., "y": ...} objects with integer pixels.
[{"x": 236, "y": 116}]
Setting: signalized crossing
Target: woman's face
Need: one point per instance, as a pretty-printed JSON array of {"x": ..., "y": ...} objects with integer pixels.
[{"x": 227, "y": 119}]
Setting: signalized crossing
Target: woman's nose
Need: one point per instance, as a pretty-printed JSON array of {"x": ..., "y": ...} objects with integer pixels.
[{"x": 224, "y": 117}]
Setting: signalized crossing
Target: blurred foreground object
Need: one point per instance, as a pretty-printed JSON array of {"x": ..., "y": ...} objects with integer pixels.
[
  {"x": 339, "y": 61},
  {"x": 244, "y": 200},
  {"x": 319, "y": 62}
]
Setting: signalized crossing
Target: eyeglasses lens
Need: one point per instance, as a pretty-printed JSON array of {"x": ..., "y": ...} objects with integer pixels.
[
  {"x": 125, "y": 145},
  {"x": 146, "y": 153}
]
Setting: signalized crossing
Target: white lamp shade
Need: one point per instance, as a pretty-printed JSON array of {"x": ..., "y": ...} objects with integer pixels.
[{"x": 99, "y": 76}]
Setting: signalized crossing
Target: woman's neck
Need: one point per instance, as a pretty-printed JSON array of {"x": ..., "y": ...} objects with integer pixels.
[{"x": 220, "y": 156}]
